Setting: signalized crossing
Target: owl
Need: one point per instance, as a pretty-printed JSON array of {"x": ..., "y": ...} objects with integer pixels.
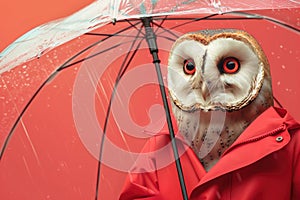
[{"x": 219, "y": 81}]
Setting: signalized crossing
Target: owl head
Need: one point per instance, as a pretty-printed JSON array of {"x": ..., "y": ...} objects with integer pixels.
[{"x": 222, "y": 69}]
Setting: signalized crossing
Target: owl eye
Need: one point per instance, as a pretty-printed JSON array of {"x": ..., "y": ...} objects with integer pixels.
[
  {"x": 229, "y": 65},
  {"x": 189, "y": 67}
]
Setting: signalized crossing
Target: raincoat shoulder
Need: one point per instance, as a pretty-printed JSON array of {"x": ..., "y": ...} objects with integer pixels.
[{"x": 264, "y": 163}]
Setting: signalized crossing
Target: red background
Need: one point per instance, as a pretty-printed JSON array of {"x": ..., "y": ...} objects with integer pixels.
[
  {"x": 51, "y": 162},
  {"x": 17, "y": 16}
]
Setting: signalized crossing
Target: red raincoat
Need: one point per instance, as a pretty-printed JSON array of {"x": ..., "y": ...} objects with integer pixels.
[{"x": 264, "y": 164}]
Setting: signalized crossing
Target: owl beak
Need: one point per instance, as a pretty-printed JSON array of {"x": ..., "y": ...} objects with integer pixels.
[{"x": 205, "y": 91}]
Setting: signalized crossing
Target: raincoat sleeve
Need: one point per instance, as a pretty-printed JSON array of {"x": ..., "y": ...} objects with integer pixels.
[
  {"x": 296, "y": 176},
  {"x": 141, "y": 182}
]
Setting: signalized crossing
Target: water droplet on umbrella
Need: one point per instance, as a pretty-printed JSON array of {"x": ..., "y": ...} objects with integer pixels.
[{"x": 283, "y": 66}]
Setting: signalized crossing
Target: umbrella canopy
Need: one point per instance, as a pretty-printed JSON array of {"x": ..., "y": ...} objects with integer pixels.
[
  {"x": 18, "y": 17},
  {"x": 99, "y": 13},
  {"x": 67, "y": 84}
]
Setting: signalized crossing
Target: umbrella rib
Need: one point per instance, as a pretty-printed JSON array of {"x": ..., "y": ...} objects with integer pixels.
[
  {"x": 152, "y": 44},
  {"x": 134, "y": 26},
  {"x": 112, "y": 35},
  {"x": 10, "y": 134},
  {"x": 282, "y": 24},
  {"x": 211, "y": 18},
  {"x": 247, "y": 16},
  {"x": 165, "y": 30},
  {"x": 125, "y": 68},
  {"x": 121, "y": 72},
  {"x": 95, "y": 54},
  {"x": 257, "y": 16},
  {"x": 190, "y": 20},
  {"x": 160, "y": 24},
  {"x": 91, "y": 46}
]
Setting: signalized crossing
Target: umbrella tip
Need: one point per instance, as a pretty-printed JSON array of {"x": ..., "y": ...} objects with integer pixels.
[{"x": 114, "y": 21}]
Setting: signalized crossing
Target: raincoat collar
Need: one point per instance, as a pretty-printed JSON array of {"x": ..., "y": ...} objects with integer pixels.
[
  {"x": 268, "y": 133},
  {"x": 267, "y": 122}
]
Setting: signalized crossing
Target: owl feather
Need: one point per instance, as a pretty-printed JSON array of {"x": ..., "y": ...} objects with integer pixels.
[{"x": 219, "y": 81}]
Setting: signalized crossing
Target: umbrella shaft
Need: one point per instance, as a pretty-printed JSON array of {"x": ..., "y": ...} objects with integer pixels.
[{"x": 151, "y": 40}]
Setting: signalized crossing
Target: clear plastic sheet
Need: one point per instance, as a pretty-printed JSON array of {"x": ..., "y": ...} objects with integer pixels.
[{"x": 43, "y": 38}]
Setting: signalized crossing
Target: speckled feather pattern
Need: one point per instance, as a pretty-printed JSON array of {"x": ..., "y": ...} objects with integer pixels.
[{"x": 211, "y": 123}]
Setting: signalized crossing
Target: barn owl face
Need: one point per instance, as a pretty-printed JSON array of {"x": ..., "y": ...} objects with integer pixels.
[
  {"x": 219, "y": 82},
  {"x": 217, "y": 69}
]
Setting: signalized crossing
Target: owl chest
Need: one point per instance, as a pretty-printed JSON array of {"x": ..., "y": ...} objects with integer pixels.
[{"x": 216, "y": 133}]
